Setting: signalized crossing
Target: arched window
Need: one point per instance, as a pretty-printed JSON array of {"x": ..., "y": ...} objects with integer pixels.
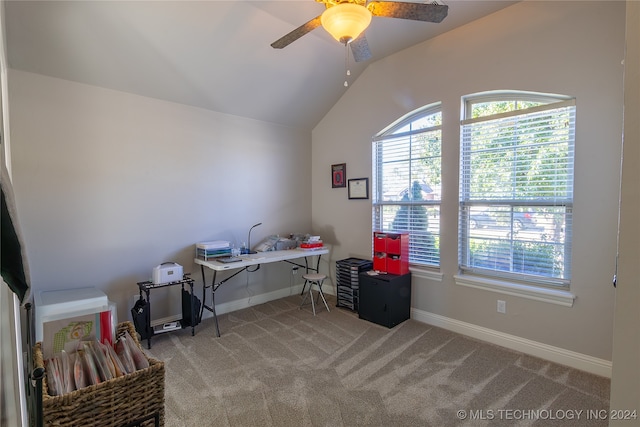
[
  {"x": 407, "y": 180},
  {"x": 516, "y": 186}
]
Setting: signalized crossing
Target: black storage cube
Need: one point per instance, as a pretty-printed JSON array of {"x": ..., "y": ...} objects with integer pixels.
[{"x": 385, "y": 299}]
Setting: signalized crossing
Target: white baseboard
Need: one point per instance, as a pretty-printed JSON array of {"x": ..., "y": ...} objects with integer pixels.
[{"x": 558, "y": 355}]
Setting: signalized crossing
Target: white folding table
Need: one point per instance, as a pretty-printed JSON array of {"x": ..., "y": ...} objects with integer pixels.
[{"x": 250, "y": 260}]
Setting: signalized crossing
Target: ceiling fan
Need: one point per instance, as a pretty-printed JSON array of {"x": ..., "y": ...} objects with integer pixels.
[{"x": 346, "y": 21}]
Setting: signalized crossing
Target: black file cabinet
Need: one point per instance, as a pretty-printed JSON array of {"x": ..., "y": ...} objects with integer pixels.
[{"x": 385, "y": 299}]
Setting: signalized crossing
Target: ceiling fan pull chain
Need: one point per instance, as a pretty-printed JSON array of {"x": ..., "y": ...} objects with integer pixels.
[{"x": 346, "y": 63}]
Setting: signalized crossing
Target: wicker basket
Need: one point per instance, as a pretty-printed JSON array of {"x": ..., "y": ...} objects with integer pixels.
[{"x": 117, "y": 402}]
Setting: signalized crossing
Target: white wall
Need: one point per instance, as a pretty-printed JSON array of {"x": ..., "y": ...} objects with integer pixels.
[
  {"x": 572, "y": 48},
  {"x": 109, "y": 185}
]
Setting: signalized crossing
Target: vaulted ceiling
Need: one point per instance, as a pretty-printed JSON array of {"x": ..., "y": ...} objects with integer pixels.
[{"x": 209, "y": 54}]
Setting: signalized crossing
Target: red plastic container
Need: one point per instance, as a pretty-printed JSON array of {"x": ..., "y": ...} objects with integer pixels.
[{"x": 391, "y": 252}]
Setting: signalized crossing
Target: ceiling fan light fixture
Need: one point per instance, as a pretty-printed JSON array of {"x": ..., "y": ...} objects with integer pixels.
[{"x": 345, "y": 21}]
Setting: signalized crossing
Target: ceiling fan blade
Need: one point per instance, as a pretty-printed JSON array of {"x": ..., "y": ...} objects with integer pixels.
[
  {"x": 296, "y": 34},
  {"x": 360, "y": 48},
  {"x": 414, "y": 11}
]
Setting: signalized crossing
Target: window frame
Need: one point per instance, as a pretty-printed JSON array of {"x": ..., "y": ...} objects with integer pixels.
[
  {"x": 546, "y": 102},
  {"x": 379, "y": 203}
]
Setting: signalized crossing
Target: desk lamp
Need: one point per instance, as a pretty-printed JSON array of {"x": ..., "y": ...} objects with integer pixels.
[{"x": 249, "y": 251}]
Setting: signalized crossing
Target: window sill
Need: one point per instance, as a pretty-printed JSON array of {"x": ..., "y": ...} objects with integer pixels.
[
  {"x": 552, "y": 296},
  {"x": 425, "y": 273}
]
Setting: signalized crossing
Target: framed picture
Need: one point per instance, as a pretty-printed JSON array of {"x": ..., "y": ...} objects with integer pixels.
[
  {"x": 339, "y": 175},
  {"x": 359, "y": 188}
]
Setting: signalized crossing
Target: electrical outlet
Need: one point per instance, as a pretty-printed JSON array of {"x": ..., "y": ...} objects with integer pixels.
[
  {"x": 502, "y": 306},
  {"x": 294, "y": 270}
]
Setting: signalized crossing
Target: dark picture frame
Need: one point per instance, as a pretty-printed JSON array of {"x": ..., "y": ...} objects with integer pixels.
[
  {"x": 359, "y": 188},
  {"x": 339, "y": 175}
]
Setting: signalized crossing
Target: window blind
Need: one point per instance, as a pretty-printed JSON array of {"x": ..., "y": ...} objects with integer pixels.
[
  {"x": 406, "y": 185},
  {"x": 516, "y": 193}
]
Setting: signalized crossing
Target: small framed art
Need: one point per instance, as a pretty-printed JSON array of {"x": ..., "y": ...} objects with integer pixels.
[
  {"x": 339, "y": 175},
  {"x": 359, "y": 188}
]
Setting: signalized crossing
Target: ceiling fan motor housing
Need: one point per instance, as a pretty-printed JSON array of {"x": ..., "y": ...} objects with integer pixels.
[{"x": 345, "y": 21}]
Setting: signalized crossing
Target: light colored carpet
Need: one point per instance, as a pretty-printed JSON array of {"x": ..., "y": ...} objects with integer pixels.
[{"x": 277, "y": 365}]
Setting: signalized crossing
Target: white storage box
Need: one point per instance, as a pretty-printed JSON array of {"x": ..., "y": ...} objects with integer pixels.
[
  {"x": 167, "y": 272},
  {"x": 64, "y": 304}
]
